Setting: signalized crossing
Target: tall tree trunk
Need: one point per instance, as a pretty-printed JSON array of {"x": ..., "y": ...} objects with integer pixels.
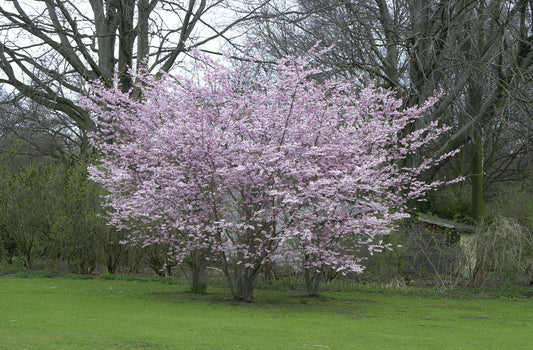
[
  {"x": 477, "y": 178},
  {"x": 126, "y": 40},
  {"x": 474, "y": 107}
]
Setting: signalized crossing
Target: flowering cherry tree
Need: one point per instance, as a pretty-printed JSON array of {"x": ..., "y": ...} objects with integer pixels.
[{"x": 245, "y": 169}]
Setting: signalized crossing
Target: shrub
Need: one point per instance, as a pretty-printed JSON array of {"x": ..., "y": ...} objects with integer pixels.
[{"x": 498, "y": 252}]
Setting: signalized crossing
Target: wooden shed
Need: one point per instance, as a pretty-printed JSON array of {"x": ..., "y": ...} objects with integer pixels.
[{"x": 435, "y": 245}]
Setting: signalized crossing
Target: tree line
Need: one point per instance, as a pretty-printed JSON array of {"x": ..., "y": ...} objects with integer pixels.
[{"x": 477, "y": 54}]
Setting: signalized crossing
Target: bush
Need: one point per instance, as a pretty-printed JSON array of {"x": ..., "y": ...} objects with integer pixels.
[
  {"x": 79, "y": 233},
  {"x": 51, "y": 211},
  {"x": 514, "y": 201},
  {"x": 24, "y": 213},
  {"x": 452, "y": 203},
  {"x": 499, "y": 252},
  {"x": 391, "y": 265}
]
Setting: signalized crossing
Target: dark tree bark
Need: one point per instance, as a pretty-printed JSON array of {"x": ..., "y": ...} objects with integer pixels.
[
  {"x": 418, "y": 47},
  {"x": 51, "y": 49}
]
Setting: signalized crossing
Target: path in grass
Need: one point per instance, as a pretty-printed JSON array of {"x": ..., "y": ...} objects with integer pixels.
[{"x": 79, "y": 314}]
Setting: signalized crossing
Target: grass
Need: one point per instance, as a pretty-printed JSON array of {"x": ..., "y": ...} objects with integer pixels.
[{"x": 105, "y": 313}]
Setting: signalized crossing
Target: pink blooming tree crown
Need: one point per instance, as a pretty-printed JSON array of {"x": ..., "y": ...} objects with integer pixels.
[{"x": 247, "y": 169}]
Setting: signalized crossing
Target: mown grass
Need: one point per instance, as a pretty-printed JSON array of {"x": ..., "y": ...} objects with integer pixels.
[{"x": 67, "y": 313}]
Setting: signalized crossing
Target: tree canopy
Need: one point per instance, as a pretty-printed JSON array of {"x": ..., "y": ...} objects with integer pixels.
[{"x": 246, "y": 169}]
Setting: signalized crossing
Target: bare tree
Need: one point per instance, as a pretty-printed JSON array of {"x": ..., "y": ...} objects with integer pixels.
[
  {"x": 49, "y": 49},
  {"x": 478, "y": 52}
]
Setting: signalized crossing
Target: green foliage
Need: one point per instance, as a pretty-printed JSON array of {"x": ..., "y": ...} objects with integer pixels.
[
  {"x": 35, "y": 274},
  {"x": 79, "y": 232},
  {"x": 450, "y": 202},
  {"x": 279, "y": 284},
  {"x": 515, "y": 200},
  {"x": 24, "y": 215},
  {"x": 390, "y": 264},
  {"x": 50, "y": 216},
  {"x": 157, "y": 258},
  {"x": 51, "y": 211},
  {"x": 108, "y": 276}
]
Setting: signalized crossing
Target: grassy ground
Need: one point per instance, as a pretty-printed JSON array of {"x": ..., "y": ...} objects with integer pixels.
[{"x": 60, "y": 313}]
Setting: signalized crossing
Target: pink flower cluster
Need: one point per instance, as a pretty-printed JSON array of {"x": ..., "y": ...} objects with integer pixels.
[{"x": 250, "y": 169}]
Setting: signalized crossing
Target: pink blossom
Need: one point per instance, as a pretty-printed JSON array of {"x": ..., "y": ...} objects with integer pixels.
[{"x": 250, "y": 168}]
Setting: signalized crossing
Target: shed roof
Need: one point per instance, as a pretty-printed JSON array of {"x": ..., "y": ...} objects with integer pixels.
[{"x": 435, "y": 220}]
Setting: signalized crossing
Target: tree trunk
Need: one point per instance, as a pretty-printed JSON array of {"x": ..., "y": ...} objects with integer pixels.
[
  {"x": 477, "y": 179},
  {"x": 198, "y": 267},
  {"x": 474, "y": 106},
  {"x": 244, "y": 290},
  {"x": 312, "y": 282},
  {"x": 243, "y": 282},
  {"x": 126, "y": 38}
]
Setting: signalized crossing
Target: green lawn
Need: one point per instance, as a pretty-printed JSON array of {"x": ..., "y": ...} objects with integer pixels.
[{"x": 56, "y": 313}]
